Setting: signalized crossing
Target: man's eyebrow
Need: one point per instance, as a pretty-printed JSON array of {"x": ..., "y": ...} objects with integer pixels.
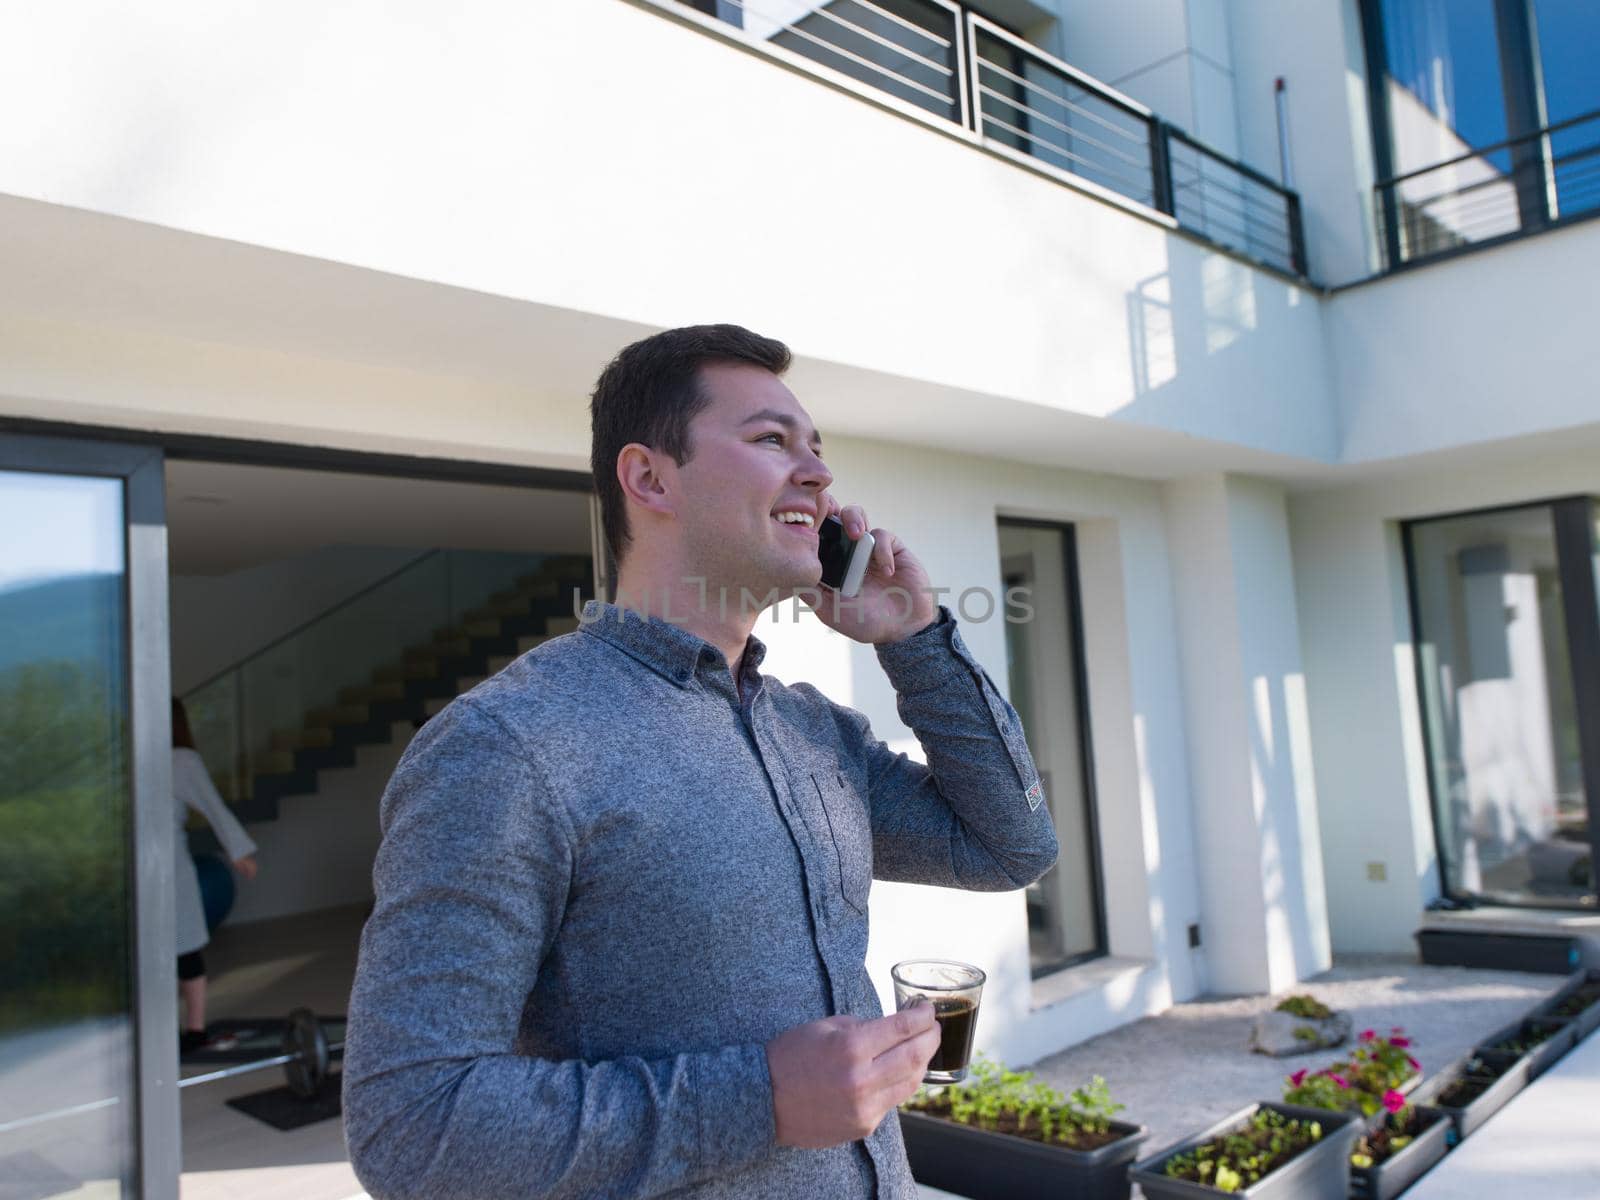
[{"x": 780, "y": 418}]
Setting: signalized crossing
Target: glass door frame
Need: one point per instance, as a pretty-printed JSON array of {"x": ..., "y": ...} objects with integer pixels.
[
  {"x": 1082, "y": 730},
  {"x": 152, "y": 919},
  {"x": 1573, "y": 519}
]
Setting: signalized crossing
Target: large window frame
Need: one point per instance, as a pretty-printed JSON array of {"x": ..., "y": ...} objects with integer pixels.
[
  {"x": 151, "y": 916},
  {"x": 1522, "y": 94},
  {"x": 1578, "y": 563}
]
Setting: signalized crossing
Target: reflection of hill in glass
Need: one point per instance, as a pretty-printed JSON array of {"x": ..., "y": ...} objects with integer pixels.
[
  {"x": 76, "y": 617},
  {"x": 63, "y": 802}
]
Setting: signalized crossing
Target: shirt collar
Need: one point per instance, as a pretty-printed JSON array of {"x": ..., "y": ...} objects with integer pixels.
[{"x": 668, "y": 649}]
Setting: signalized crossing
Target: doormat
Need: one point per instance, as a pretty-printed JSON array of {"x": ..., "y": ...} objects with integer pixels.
[
  {"x": 283, "y": 1110},
  {"x": 26, "y": 1176}
]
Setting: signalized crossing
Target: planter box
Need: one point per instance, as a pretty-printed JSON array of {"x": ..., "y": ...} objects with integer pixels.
[
  {"x": 1585, "y": 1022},
  {"x": 1466, "y": 1118},
  {"x": 1498, "y": 951},
  {"x": 997, "y": 1166},
  {"x": 1321, "y": 1172},
  {"x": 1543, "y": 1056},
  {"x": 1386, "y": 1180}
]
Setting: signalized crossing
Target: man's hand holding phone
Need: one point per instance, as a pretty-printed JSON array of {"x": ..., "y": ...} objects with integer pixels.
[{"x": 896, "y": 597}]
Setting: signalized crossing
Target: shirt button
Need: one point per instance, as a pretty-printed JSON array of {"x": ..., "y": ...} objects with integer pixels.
[{"x": 683, "y": 675}]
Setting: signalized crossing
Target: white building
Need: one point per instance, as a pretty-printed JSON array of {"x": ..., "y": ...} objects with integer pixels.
[{"x": 299, "y": 309}]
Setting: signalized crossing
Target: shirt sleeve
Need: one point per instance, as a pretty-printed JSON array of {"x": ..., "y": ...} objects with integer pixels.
[
  {"x": 194, "y": 786},
  {"x": 471, "y": 883},
  {"x": 974, "y": 816}
]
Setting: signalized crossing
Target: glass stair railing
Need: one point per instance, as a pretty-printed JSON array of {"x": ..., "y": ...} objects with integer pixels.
[{"x": 398, "y": 651}]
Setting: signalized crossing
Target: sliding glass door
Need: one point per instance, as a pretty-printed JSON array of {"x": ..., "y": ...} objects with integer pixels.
[
  {"x": 1507, "y": 642},
  {"x": 86, "y": 1009}
]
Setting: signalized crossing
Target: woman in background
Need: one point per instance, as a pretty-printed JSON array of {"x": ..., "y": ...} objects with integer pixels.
[{"x": 192, "y": 789}]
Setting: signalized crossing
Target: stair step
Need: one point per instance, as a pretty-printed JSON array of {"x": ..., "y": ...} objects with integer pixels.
[
  {"x": 499, "y": 662},
  {"x": 272, "y": 762},
  {"x": 435, "y": 705},
  {"x": 485, "y": 627},
  {"x": 467, "y": 682},
  {"x": 452, "y": 641},
  {"x": 556, "y": 626},
  {"x": 339, "y": 714},
  {"x": 372, "y": 693},
  {"x": 405, "y": 672},
  {"x": 325, "y": 757},
  {"x": 302, "y": 739},
  {"x": 529, "y": 641}
]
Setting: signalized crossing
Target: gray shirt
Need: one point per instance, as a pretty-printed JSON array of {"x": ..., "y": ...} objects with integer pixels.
[{"x": 607, "y": 881}]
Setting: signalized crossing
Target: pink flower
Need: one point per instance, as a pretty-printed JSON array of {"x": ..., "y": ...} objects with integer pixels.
[
  {"x": 1393, "y": 1101},
  {"x": 1339, "y": 1079},
  {"x": 1400, "y": 1041},
  {"x": 1397, "y": 1029},
  {"x": 1368, "y": 1034},
  {"x": 1297, "y": 1078},
  {"x": 1415, "y": 1065}
]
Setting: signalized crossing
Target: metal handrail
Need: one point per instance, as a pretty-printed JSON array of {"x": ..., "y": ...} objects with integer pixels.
[
  {"x": 1485, "y": 151},
  {"x": 1538, "y": 189},
  {"x": 896, "y": 47},
  {"x": 1270, "y": 233},
  {"x": 1088, "y": 82},
  {"x": 318, "y": 619}
]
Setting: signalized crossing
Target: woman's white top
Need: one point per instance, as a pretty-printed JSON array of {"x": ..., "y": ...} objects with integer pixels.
[{"x": 192, "y": 789}]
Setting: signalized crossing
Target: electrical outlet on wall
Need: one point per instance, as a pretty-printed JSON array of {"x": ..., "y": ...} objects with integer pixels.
[{"x": 1377, "y": 872}]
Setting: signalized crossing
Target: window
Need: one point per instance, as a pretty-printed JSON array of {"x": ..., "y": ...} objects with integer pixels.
[
  {"x": 1044, "y": 660},
  {"x": 1506, "y": 637},
  {"x": 1451, "y": 83}
]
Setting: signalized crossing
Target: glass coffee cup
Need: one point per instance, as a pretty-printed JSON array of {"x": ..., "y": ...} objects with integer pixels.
[{"x": 954, "y": 989}]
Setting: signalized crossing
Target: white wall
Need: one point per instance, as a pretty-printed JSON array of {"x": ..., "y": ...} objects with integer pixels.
[
  {"x": 218, "y": 620},
  {"x": 1355, "y": 628},
  {"x": 1315, "y": 46},
  {"x": 881, "y": 244},
  {"x": 1256, "y": 841},
  {"x": 1174, "y": 56},
  {"x": 1489, "y": 346},
  {"x": 319, "y": 852}
]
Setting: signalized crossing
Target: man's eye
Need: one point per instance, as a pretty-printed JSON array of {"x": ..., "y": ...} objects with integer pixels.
[{"x": 777, "y": 437}]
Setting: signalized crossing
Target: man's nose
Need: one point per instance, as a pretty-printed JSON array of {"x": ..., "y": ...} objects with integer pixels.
[{"x": 813, "y": 472}]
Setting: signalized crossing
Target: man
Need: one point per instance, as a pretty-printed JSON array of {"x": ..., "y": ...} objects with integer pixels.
[{"x": 618, "y": 946}]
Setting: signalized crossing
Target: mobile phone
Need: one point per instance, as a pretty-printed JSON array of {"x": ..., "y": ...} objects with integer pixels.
[{"x": 844, "y": 562}]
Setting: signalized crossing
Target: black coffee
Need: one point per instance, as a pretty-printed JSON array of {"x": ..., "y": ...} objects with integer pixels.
[{"x": 957, "y": 1018}]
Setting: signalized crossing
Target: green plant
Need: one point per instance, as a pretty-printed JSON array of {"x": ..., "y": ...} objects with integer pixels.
[
  {"x": 1531, "y": 1035},
  {"x": 995, "y": 1098},
  {"x": 1305, "y": 1033},
  {"x": 1304, "y": 1005},
  {"x": 1237, "y": 1159},
  {"x": 1365, "y": 1082},
  {"x": 1397, "y": 1132},
  {"x": 1581, "y": 999}
]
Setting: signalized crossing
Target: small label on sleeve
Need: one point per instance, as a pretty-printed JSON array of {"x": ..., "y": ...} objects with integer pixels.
[{"x": 1035, "y": 795}]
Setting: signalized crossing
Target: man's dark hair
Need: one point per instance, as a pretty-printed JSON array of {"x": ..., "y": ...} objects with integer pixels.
[{"x": 650, "y": 392}]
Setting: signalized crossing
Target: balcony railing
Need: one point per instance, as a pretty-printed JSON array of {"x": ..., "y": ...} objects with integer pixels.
[
  {"x": 963, "y": 68},
  {"x": 1520, "y": 185}
]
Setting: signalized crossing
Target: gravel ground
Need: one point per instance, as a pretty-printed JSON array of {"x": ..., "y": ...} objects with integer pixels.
[{"x": 1192, "y": 1065}]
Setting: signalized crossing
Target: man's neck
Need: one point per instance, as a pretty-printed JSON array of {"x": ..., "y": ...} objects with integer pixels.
[{"x": 713, "y": 615}]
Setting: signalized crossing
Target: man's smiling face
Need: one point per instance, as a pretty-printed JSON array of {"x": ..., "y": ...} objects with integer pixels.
[{"x": 754, "y": 488}]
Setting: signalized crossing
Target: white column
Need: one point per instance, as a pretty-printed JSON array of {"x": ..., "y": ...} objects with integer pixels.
[{"x": 1257, "y": 846}]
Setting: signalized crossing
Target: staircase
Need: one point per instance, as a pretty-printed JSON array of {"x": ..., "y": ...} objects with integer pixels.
[{"x": 411, "y": 688}]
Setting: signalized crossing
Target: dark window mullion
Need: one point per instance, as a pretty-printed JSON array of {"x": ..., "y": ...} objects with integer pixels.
[{"x": 1575, "y": 558}]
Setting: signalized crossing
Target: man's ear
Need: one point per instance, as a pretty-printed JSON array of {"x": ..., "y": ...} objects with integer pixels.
[{"x": 639, "y": 471}]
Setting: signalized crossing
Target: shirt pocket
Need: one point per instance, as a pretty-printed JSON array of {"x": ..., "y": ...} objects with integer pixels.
[{"x": 850, "y": 830}]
